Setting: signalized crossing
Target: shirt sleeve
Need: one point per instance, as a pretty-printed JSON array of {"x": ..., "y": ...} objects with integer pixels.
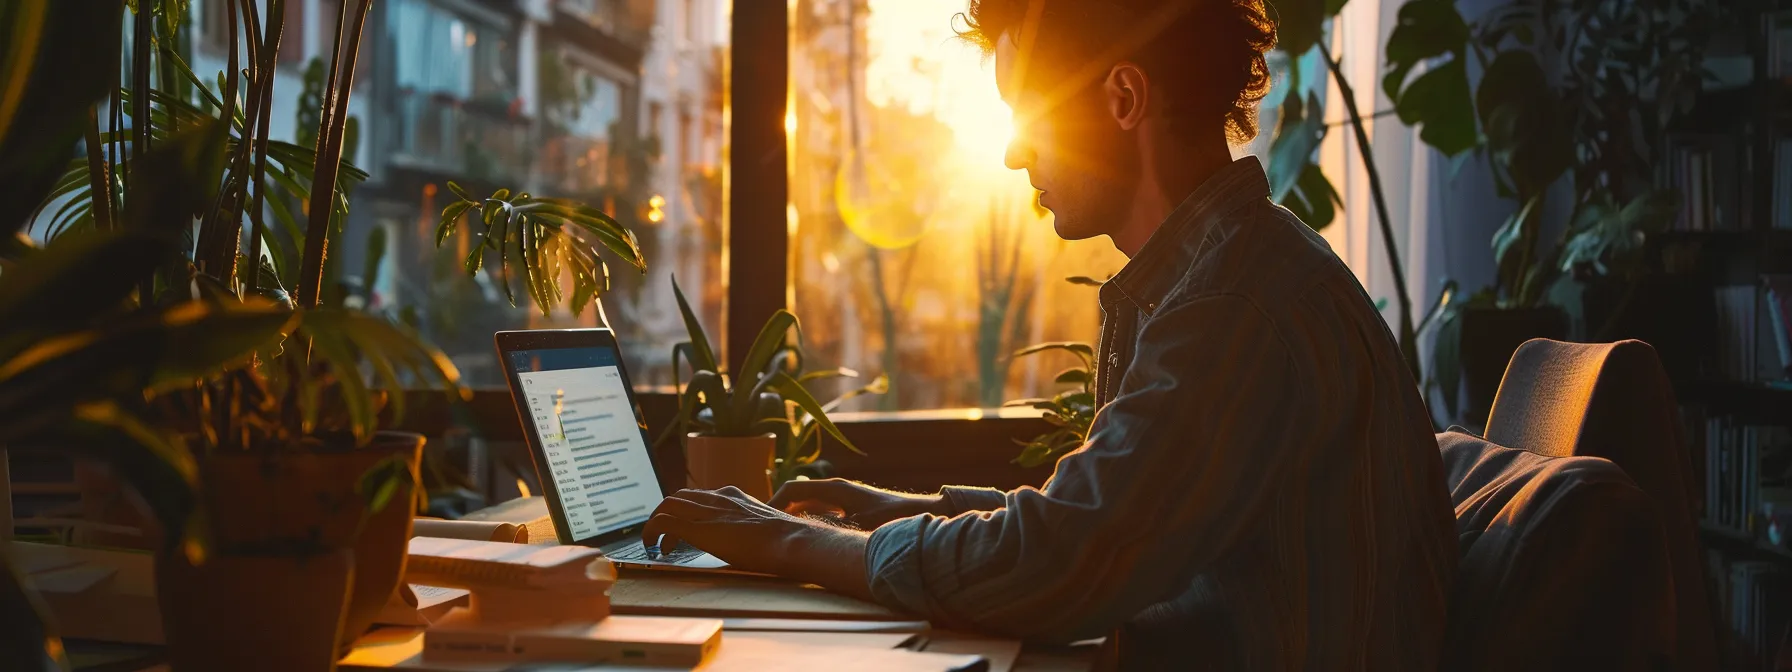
[
  {"x": 1176, "y": 467},
  {"x": 961, "y": 498}
]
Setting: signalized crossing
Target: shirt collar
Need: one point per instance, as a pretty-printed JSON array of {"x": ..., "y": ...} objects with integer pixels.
[{"x": 1154, "y": 271}]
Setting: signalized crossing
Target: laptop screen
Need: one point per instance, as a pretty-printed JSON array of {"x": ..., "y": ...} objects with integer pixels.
[{"x": 585, "y": 421}]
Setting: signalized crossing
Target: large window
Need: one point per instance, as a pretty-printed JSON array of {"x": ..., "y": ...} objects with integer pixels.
[
  {"x": 916, "y": 252},
  {"x": 492, "y": 95}
]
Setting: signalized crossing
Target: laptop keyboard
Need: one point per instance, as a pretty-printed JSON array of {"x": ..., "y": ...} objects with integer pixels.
[{"x": 638, "y": 553}]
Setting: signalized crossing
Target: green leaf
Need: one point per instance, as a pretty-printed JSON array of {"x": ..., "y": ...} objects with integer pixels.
[
  {"x": 55, "y": 70},
  {"x": 1526, "y": 135},
  {"x": 154, "y": 349},
  {"x": 1314, "y": 200},
  {"x": 374, "y": 255},
  {"x": 77, "y": 278},
  {"x": 450, "y": 219},
  {"x": 795, "y": 392},
  {"x": 1072, "y": 377},
  {"x": 1298, "y": 135},
  {"x": 1082, "y": 350},
  {"x": 767, "y": 343},
  {"x": 383, "y": 481},
  {"x": 878, "y": 385},
  {"x": 1085, "y": 281},
  {"x": 1506, "y": 248},
  {"x": 1423, "y": 30},
  {"x": 702, "y": 357},
  {"x": 841, "y": 372},
  {"x": 1301, "y": 23},
  {"x": 1438, "y": 100},
  {"x": 462, "y": 193}
]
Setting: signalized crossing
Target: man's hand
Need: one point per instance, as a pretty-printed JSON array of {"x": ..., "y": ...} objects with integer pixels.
[
  {"x": 859, "y": 504},
  {"x": 749, "y": 535}
]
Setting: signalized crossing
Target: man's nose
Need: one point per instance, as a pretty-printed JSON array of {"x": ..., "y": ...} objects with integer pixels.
[{"x": 1019, "y": 154}]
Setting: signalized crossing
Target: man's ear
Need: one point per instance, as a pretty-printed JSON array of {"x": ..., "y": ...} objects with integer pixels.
[{"x": 1128, "y": 95}]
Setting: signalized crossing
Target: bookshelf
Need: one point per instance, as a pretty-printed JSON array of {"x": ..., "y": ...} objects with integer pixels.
[{"x": 1723, "y": 262}]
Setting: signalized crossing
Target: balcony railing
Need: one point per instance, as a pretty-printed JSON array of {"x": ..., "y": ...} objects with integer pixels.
[{"x": 478, "y": 140}]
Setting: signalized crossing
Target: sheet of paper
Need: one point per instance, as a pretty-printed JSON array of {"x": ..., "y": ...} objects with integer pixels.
[
  {"x": 430, "y": 596},
  {"x": 820, "y": 625},
  {"x": 869, "y": 640},
  {"x": 1001, "y": 653},
  {"x": 71, "y": 580},
  {"x": 475, "y": 530}
]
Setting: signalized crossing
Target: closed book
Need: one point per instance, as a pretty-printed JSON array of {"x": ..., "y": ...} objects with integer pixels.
[{"x": 633, "y": 640}]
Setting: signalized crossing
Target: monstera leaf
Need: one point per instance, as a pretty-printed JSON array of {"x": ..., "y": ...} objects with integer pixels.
[
  {"x": 1300, "y": 24},
  {"x": 1295, "y": 179},
  {"x": 1524, "y": 131},
  {"x": 1437, "y": 99}
]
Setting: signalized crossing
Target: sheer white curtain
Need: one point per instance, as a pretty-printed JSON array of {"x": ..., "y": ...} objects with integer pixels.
[{"x": 1443, "y": 209}]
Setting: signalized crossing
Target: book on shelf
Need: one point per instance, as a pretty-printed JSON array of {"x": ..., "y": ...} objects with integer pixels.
[
  {"x": 1705, "y": 170},
  {"x": 1738, "y": 495},
  {"x": 1737, "y": 324},
  {"x": 1778, "y": 299},
  {"x": 1782, "y": 185},
  {"x": 1778, "y": 28}
]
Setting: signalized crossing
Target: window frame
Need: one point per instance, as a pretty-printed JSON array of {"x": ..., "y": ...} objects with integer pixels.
[
  {"x": 911, "y": 450},
  {"x": 908, "y": 450}
]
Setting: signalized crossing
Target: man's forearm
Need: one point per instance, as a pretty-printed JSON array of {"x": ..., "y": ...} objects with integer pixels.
[{"x": 833, "y": 558}]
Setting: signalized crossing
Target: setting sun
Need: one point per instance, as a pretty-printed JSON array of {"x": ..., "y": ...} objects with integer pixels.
[{"x": 917, "y": 62}]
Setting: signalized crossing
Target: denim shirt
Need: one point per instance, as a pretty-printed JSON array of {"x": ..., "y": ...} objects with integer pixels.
[{"x": 1260, "y": 488}]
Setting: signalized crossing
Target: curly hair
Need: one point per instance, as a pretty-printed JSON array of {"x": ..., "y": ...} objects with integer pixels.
[{"x": 1208, "y": 55}]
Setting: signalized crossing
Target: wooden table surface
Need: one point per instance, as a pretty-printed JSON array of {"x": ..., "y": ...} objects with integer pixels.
[{"x": 672, "y": 593}]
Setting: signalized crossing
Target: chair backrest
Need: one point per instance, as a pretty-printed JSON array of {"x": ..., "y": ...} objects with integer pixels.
[
  {"x": 1614, "y": 401},
  {"x": 1562, "y": 564}
]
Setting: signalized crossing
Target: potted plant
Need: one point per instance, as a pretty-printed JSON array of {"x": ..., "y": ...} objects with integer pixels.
[
  {"x": 1070, "y": 412},
  {"x": 1584, "y": 91},
  {"x": 247, "y": 417},
  {"x": 743, "y": 431}
]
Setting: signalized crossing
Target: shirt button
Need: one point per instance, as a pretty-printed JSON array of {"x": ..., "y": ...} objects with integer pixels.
[{"x": 1114, "y": 360}]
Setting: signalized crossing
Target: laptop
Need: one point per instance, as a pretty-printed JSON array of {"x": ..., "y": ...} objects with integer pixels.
[{"x": 589, "y": 444}]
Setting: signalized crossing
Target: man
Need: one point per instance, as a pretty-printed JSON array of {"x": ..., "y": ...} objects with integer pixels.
[{"x": 1260, "y": 489}]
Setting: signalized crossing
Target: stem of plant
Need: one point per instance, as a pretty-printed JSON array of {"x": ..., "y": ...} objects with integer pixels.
[{"x": 1409, "y": 347}]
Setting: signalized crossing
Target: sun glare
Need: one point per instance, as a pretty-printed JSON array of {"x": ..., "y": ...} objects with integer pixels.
[{"x": 917, "y": 62}]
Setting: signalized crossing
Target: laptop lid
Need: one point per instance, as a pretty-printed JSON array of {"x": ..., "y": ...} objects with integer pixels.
[{"x": 587, "y": 441}]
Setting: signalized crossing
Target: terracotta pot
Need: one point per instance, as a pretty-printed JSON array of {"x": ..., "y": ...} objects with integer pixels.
[
  {"x": 245, "y": 612},
  {"x": 303, "y": 502},
  {"x": 744, "y": 462}
]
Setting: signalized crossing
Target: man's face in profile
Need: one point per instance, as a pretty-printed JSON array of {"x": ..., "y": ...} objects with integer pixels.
[{"x": 1072, "y": 149}]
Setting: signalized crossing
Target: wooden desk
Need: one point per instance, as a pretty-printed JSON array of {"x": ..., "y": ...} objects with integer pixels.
[{"x": 664, "y": 593}]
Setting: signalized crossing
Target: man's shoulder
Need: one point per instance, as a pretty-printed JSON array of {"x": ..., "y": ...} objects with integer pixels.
[{"x": 1263, "y": 253}]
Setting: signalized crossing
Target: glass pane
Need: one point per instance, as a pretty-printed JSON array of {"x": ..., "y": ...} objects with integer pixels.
[
  {"x": 917, "y": 253},
  {"x": 616, "y": 103}
]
